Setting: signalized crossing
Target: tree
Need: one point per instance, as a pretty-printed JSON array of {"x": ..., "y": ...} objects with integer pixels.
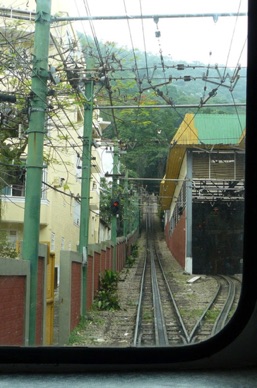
[
  {"x": 16, "y": 38},
  {"x": 127, "y": 79},
  {"x": 6, "y": 248}
]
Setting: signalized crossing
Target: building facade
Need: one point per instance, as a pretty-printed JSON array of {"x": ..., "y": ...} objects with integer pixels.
[
  {"x": 63, "y": 145},
  {"x": 202, "y": 194}
]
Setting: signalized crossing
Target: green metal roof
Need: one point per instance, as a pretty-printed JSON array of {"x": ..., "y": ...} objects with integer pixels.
[{"x": 219, "y": 128}]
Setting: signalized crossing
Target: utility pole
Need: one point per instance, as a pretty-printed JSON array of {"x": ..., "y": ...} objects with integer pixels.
[
  {"x": 34, "y": 164},
  {"x": 114, "y": 195},
  {"x": 125, "y": 218},
  {"x": 85, "y": 178},
  {"x": 132, "y": 208},
  {"x": 135, "y": 210}
]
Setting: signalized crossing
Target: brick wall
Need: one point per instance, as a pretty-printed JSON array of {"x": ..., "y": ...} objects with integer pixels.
[
  {"x": 89, "y": 293},
  {"x": 40, "y": 302},
  {"x": 96, "y": 272},
  {"x": 75, "y": 294},
  {"x": 13, "y": 301},
  {"x": 99, "y": 259},
  {"x": 176, "y": 242}
]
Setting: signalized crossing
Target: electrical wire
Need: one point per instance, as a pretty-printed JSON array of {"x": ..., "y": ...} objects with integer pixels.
[
  {"x": 232, "y": 38},
  {"x": 72, "y": 142}
]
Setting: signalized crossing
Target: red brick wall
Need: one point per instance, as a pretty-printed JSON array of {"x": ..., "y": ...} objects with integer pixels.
[
  {"x": 40, "y": 302},
  {"x": 123, "y": 261},
  {"x": 103, "y": 261},
  {"x": 111, "y": 256},
  {"x": 12, "y": 317},
  {"x": 118, "y": 257},
  {"x": 108, "y": 258},
  {"x": 96, "y": 272},
  {"x": 176, "y": 242},
  {"x": 75, "y": 294},
  {"x": 89, "y": 284}
]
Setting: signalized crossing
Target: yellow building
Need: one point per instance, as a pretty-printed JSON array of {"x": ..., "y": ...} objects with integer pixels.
[{"x": 61, "y": 183}]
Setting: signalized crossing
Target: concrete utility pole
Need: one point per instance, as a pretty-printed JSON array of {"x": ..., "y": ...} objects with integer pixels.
[
  {"x": 34, "y": 165},
  {"x": 85, "y": 178}
]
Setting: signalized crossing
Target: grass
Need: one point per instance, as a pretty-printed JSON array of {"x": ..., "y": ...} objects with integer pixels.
[
  {"x": 79, "y": 334},
  {"x": 212, "y": 315},
  {"x": 75, "y": 336},
  {"x": 147, "y": 315}
]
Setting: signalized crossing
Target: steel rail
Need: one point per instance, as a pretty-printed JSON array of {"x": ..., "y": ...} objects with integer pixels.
[
  {"x": 138, "y": 323},
  {"x": 160, "y": 333},
  {"x": 137, "y": 337},
  {"x": 222, "y": 318},
  {"x": 185, "y": 337},
  {"x": 192, "y": 335},
  {"x": 159, "y": 328},
  {"x": 161, "y": 338}
]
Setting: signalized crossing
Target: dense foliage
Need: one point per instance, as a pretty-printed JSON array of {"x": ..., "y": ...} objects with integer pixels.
[
  {"x": 129, "y": 81},
  {"x": 133, "y": 81},
  {"x": 107, "y": 297}
]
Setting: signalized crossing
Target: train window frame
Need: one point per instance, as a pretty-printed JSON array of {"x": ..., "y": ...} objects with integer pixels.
[{"x": 218, "y": 351}]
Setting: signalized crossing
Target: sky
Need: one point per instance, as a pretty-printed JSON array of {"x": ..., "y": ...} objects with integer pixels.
[{"x": 191, "y": 39}]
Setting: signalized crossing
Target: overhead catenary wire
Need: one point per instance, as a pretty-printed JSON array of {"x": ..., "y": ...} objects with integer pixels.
[
  {"x": 136, "y": 68},
  {"x": 121, "y": 107},
  {"x": 102, "y": 65},
  {"x": 29, "y": 15},
  {"x": 232, "y": 38}
]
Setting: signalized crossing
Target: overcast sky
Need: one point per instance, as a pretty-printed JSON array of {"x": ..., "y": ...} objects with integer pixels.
[{"x": 190, "y": 39}]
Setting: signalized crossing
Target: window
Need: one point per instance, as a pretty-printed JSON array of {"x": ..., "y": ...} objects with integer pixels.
[
  {"x": 208, "y": 186},
  {"x": 15, "y": 180}
]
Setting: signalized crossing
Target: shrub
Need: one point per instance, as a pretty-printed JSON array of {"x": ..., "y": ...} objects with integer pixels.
[
  {"x": 7, "y": 251},
  {"x": 130, "y": 260},
  {"x": 134, "y": 250},
  {"x": 107, "y": 298}
]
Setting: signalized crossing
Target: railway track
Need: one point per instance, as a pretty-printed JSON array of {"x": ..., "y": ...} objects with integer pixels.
[
  {"x": 219, "y": 310},
  {"x": 159, "y": 321},
  {"x": 159, "y": 306}
]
